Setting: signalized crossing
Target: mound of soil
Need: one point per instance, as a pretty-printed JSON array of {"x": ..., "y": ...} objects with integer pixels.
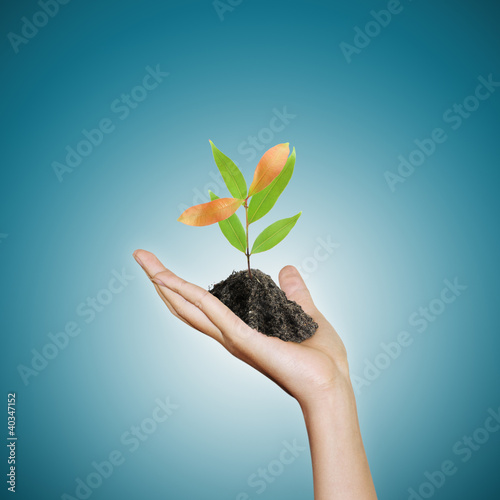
[{"x": 262, "y": 305}]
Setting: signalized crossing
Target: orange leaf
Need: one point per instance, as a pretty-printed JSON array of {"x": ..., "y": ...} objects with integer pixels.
[
  {"x": 268, "y": 168},
  {"x": 211, "y": 212}
]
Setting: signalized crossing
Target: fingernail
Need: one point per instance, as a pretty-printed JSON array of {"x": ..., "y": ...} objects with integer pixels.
[
  {"x": 138, "y": 261},
  {"x": 158, "y": 282}
]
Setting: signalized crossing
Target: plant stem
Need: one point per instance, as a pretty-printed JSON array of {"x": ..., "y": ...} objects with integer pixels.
[{"x": 246, "y": 230}]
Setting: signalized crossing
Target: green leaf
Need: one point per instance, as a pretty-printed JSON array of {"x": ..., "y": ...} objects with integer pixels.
[
  {"x": 231, "y": 174},
  {"x": 262, "y": 202},
  {"x": 232, "y": 229},
  {"x": 273, "y": 234}
]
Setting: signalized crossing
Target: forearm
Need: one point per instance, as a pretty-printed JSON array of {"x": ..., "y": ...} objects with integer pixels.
[{"x": 340, "y": 466}]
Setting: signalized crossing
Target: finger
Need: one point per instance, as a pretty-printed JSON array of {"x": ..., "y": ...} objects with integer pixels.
[
  {"x": 176, "y": 304},
  {"x": 293, "y": 285},
  {"x": 169, "y": 306},
  {"x": 236, "y": 334},
  {"x": 188, "y": 313},
  {"x": 149, "y": 262}
]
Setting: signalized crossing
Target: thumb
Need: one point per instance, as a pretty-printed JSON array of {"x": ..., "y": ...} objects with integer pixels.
[{"x": 293, "y": 285}]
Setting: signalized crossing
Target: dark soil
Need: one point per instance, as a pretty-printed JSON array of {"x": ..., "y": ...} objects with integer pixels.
[{"x": 262, "y": 305}]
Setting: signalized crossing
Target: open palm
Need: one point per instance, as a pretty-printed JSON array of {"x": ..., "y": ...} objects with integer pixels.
[{"x": 306, "y": 370}]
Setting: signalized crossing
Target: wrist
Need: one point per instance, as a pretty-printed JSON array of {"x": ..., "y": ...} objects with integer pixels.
[{"x": 330, "y": 395}]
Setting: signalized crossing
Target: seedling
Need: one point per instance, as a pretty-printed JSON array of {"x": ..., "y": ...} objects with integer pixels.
[
  {"x": 259, "y": 302},
  {"x": 271, "y": 176}
]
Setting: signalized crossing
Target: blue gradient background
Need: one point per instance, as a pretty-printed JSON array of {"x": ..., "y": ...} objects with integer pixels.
[{"x": 395, "y": 249}]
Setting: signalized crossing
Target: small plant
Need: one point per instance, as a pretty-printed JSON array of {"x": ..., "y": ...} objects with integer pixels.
[{"x": 271, "y": 176}]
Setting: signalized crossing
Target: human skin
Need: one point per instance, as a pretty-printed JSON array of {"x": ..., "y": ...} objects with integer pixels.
[{"x": 314, "y": 372}]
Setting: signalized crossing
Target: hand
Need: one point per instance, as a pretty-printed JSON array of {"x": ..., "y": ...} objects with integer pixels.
[
  {"x": 307, "y": 371},
  {"x": 315, "y": 372}
]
